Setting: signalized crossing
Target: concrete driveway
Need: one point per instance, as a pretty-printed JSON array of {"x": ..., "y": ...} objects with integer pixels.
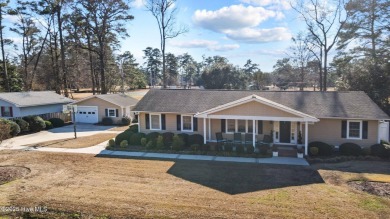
[{"x": 55, "y": 134}]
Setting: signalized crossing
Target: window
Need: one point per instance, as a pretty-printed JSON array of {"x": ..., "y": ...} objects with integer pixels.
[
  {"x": 186, "y": 123},
  {"x": 241, "y": 126},
  {"x": 155, "y": 123},
  {"x": 231, "y": 125},
  {"x": 6, "y": 111},
  {"x": 354, "y": 129},
  {"x": 111, "y": 113}
]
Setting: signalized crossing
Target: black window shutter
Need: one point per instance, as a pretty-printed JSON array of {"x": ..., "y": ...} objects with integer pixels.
[
  {"x": 343, "y": 129},
  {"x": 106, "y": 112},
  {"x": 11, "y": 111},
  {"x": 260, "y": 127},
  {"x": 178, "y": 122},
  {"x": 223, "y": 125},
  {"x": 117, "y": 112},
  {"x": 365, "y": 129},
  {"x": 195, "y": 124},
  {"x": 147, "y": 121},
  {"x": 163, "y": 121}
]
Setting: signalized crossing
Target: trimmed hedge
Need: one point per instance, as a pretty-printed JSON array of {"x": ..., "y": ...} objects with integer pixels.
[
  {"x": 195, "y": 139},
  {"x": 35, "y": 123},
  {"x": 135, "y": 138},
  {"x": 133, "y": 128},
  {"x": 126, "y": 121},
  {"x": 380, "y": 150},
  {"x": 48, "y": 125},
  {"x": 123, "y": 136},
  {"x": 167, "y": 138},
  {"x": 185, "y": 138},
  {"x": 350, "y": 149},
  {"x": 152, "y": 136},
  {"x": 107, "y": 121},
  {"x": 177, "y": 143},
  {"x": 14, "y": 127},
  {"x": 323, "y": 148},
  {"x": 23, "y": 125},
  {"x": 57, "y": 122}
]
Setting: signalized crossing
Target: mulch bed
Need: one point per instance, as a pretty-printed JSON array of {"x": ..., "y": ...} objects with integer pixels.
[
  {"x": 10, "y": 173},
  {"x": 375, "y": 188}
]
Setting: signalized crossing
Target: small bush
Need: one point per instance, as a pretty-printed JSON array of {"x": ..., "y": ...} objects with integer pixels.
[
  {"x": 195, "y": 139},
  {"x": 366, "y": 151},
  {"x": 177, "y": 143},
  {"x": 126, "y": 121},
  {"x": 264, "y": 149},
  {"x": 313, "y": 151},
  {"x": 160, "y": 142},
  {"x": 144, "y": 141},
  {"x": 124, "y": 144},
  {"x": 349, "y": 149},
  {"x": 380, "y": 150},
  {"x": 150, "y": 145},
  {"x": 111, "y": 143},
  {"x": 167, "y": 138},
  {"x": 135, "y": 139},
  {"x": 240, "y": 149},
  {"x": 250, "y": 149},
  {"x": 35, "y": 123},
  {"x": 14, "y": 127},
  {"x": 123, "y": 136},
  {"x": 134, "y": 128},
  {"x": 184, "y": 137},
  {"x": 5, "y": 129},
  {"x": 57, "y": 122},
  {"x": 48, "y": 125},
  {"x": 23, "y": 125},
  {"x": 107, "y": 121},
  {"x": 152, "y": 136},
  {"x": 323, "y": 148},
  {"x": 195, "y": 147}
]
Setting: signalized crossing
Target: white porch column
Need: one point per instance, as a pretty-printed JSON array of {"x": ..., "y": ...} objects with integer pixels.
[
  {"x": 306, "y": 137},
  {"x": 253, "y": 131},
  {"x": 209, "y": 129},
  {"x": 204, "y": 131}
]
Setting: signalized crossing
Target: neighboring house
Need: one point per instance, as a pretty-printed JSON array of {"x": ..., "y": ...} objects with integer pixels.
[
  {"x": 94, "y": 108},
  {"x": 19, "y": 104},
  {"x": 330, "y": 117}
]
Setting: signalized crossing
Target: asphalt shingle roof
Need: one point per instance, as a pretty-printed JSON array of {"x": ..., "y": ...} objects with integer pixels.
[
  {"x": 350, "y": 104},
  {"x": 34, "y": 98},
  {"x": 119, "y": 99}
]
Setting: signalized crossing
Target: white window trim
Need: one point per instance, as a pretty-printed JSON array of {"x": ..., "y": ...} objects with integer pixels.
[
  {"x": 159, "y": 121},
  {"x": 192, "y": 123},
  {"x": 108, "y": 112},
  {"x": 360, "y": 130},
  {"x": 236, "y": 126},
  {"x": 227, "y": 128}
]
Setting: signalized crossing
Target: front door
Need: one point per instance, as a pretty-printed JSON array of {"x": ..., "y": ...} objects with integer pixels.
[{"x": 285, "y": 132}]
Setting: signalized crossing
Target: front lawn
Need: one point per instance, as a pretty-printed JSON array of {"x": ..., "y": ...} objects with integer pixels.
[{"x": 73, "y": 185}]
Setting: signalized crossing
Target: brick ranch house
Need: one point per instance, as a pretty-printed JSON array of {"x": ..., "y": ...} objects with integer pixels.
[{"x": 330, "y": 117}]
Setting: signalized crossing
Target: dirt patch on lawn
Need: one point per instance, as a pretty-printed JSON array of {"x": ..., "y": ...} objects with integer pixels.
[
  {"x": 80, "y": 142},
  {"x": 375, "y": 188},
  {"x": 11, "y": 173}
]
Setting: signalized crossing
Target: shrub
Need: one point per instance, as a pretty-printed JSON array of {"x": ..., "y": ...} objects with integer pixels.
[
  {"x": 23, "y": 125},
  {"x": 366, "y": 151},
  {"x": 228, "y": 148},
  {"x": 123, "y": 136},
  {"x": 264, "y": 149},
  {"x": 195, "y": 139},
  {"x": 313, "y": 151},
  {"x": 184, "y": 137},
  {"x": 135, "y": 120},
  {"x": 152, "y": 136},
  {"x": 350, "y": 149},
  {"x": 177, "y": 143},
  {"x": 57, "y": 122},
  {"x": 111, "y": 143},
  {"x": 150, "y": 145},
  {"x": 5, "y": 129},
  {"x": 323, "y": 148},
  {"x": 124, "y": 144},
  {"x": 195, "y": 147},
  {"x": 240, "y": 149},
  {"x": 35, "y": 123},
  {"x": 167, "y": 138},
  {"x": 205, "y": 147},
  {"x": 160, "y": 142},
  {"x": 126, "y": 121},
  {"x": 133, "y": 128},
  {"x": 48, "y": 125},
  {"x": 14, "y": 127},
  {"x": 107, "y": 121},
  {"x": 135, "y": 138},
  {"x": 250, "y": 149},
  {"x": 380, "y": 150},
  {"x": 143, "y": 142}
]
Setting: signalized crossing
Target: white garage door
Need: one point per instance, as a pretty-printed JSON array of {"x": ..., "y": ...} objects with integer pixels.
[{"x": 87, "y": 114}]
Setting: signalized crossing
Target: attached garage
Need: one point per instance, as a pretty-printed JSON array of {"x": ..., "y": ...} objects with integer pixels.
[{"x": 87, "y": 114}]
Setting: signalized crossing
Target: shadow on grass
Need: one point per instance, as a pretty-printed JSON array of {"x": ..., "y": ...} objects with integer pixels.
[{"x": 381, "y": 166}]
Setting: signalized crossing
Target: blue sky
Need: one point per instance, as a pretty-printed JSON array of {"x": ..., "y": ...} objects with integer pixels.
[{"x": 239, "y": 30}]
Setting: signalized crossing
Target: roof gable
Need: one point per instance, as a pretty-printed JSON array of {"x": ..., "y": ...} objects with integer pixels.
[{"x": 121, "y": 100}]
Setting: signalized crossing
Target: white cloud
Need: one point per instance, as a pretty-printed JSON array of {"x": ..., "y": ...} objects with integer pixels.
[
  {"x": 257, "y": 35},
  {"x": 276, "y": 4},
  {"x": 11, "y": 18},
  {"x": 232, "y": 17},
  {"x": 138, "y": 3},
  {"x": 206, "y": 44},
  {"x": 241, "y": 23}
]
